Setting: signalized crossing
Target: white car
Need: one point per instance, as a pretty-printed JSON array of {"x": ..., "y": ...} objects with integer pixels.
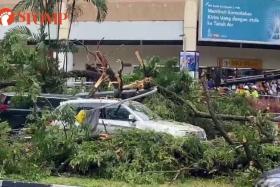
[{"x": 131, "y": 114}]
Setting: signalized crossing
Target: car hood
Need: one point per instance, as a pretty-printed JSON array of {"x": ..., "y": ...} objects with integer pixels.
[{"x": 173, "y": 128}]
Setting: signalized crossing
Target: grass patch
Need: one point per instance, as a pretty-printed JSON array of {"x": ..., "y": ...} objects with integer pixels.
[{"x": 87, "y": 182}]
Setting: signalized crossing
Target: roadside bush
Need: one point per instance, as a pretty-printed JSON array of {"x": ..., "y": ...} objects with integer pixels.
[
  {"x": 220, "y": 158},
  {"x": 271, "y": 155},
  {"x": 15, "y": 156},
  {"x": 128, "y": 156},
  {"x": 142, "y": 157},
  {"x": 53, "y": 146},
  {"x": 5, "y": 151},
  {"x": 137, "y": 156},
  {"x": 133, "y": 156}
]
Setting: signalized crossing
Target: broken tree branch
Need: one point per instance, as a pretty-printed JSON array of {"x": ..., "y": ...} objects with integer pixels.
[
  {"x": 180, "y": 101},
  {"x": 120, "y": 80},
  {"x": 218, "y": 125},
  {"x": 140, "y": 85},
  {"x": 102, "y": 78}
]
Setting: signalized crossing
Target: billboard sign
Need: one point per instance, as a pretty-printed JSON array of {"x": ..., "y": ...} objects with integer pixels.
[{"x": 240, "y": 21}]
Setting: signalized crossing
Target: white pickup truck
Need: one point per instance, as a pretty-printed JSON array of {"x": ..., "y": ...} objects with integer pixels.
[{"x": 131, "y": 114}]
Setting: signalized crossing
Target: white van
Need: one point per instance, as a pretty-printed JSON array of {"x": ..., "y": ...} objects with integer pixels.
[{"x": 132, "y": 114}]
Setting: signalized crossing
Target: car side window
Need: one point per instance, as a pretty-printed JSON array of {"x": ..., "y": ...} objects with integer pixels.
[
  {"x": 3, "y": 98},
  {"x": 78, "y": 109},
  {"x": 116, "y": 113},
  {"x": 20, "y": 102},
  {"x": 43, "y": 103}
]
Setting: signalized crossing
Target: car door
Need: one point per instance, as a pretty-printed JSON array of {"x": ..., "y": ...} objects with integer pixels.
[
  {"x": 114, "y": 118},
  {"x": 16, "y": 112}
]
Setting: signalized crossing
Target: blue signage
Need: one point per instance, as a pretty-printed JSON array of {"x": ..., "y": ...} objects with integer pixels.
[
  {"x": 242, "y": 21},
  {"x": 189, "y": 61}
]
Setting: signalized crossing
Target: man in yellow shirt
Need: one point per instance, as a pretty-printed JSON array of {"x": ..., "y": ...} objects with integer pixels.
[
  {"x": 246, "y": 91},
  {"x": 255, "y": 93},
  {"x": 240, "y": 90}
]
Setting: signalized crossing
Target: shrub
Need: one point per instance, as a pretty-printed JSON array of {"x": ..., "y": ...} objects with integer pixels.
[{"x": 127, "y": 156}]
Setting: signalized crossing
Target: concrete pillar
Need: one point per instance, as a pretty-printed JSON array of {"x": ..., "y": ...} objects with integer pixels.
[
  {"x": 190, "y": 25},
  {"x": 63, "y": 35},
  {"x": 64, "y": 27},
  {"x": 69, "y": 66},
  {"x": 62, "y": 59}
]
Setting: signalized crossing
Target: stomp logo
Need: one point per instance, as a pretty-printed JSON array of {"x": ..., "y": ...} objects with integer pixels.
[{"x": 8, "y": 17}]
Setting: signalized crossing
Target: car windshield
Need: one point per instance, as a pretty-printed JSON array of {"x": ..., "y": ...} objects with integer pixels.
[{"x": 142, "y": 111}]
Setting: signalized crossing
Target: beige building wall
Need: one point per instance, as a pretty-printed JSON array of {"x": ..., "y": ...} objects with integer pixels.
[
  {"x": 136, "y": 10},
  {"x": 126, "y": 10}
]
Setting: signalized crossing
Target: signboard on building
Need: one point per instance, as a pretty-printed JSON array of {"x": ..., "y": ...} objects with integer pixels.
[
  {"x": 189, "y": 61},
  {"x": 240, "y": 63},
  {"x": 241, "y": 21}
]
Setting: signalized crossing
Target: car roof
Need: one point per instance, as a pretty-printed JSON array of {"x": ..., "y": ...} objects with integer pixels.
[
  {"x": 79, "y": 100},
  {"x": 54, "y": 96}
]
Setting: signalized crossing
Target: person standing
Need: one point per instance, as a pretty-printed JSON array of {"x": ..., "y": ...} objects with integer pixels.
[
  {"x": 246, "y": 91},
  {"x": 274, "y": 88},
  {"x": 255, "y": 93},
  {"x": 240, "y": 90}
]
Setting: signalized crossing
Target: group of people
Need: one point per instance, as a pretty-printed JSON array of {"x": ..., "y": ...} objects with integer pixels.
[
  {"x": 248, "y": 91},
  {"x": 255, "y": 90},
  {"x": 265, "y": 88}
]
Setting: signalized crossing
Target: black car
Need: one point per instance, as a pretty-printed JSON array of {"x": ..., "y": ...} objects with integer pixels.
[{"x": 15, "y": 109}]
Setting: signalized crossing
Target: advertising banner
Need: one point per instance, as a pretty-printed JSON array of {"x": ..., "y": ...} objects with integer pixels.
[
  {"x": 189, "y": 61},
  {"x": 240, "y": 21}
]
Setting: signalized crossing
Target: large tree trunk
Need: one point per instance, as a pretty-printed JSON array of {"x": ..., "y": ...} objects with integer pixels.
[{"x": 217, "y": 124}]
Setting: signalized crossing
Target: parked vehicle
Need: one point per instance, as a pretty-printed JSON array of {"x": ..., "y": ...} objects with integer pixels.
[
  {"x": 130, "y": 115},
  {"x": 269, "y": 179},
  {"x": 15, "y": 109}
]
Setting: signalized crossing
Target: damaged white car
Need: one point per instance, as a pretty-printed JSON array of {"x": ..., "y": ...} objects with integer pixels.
[{"x": 131, "y": 114}]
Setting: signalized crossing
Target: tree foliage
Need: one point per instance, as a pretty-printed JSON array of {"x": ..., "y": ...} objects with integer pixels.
[{"x": 29, "y": 66}]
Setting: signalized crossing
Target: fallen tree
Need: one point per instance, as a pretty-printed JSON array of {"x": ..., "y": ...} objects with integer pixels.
[{"x": 180, "y": 101}]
